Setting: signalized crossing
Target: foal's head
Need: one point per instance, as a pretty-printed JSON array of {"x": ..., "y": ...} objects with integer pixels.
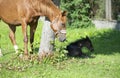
[
  {"x": 86, "y": 43},
  {"x": 59, "y": 26}
]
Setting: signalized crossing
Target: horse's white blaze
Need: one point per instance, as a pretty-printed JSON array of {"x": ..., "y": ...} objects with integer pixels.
[
  {"x": 1, "y": 53},
  {"x": 16, "y": 48}
]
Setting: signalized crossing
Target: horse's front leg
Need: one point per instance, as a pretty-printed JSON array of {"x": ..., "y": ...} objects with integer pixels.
[
  {"x": 33, "y": 26},
  {"x": 24, "y": 30},
  {"x": 12, "y": 37}
]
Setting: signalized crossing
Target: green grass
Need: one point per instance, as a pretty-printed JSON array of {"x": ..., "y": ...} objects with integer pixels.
[{"x": 102, "y": 63}]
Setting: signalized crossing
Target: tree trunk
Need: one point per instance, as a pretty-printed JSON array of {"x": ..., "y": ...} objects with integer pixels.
[
  {"x": 47, "y": 39},
  {"x": 108, "y": 10}
]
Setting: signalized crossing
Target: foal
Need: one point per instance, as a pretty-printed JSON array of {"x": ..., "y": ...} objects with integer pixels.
[{"x": 74, "y": 48}]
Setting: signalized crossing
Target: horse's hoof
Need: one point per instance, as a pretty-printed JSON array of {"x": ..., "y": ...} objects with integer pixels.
[
  {"x": 23, "y": 57},
  {"x": 26, "y": 57}
]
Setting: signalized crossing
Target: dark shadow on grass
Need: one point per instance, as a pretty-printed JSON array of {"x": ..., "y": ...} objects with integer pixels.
[
  {"x": 107, "y": 43},
  {"x": 83, "y": 56}
]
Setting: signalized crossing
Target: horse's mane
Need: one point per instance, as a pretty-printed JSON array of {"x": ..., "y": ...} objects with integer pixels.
[{"x": 49, "y": 7}]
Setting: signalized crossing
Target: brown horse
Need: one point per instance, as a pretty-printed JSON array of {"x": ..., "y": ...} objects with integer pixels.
[{"x": 27, "y": 12}]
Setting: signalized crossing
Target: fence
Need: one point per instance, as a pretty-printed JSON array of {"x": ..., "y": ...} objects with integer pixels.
[{"x": 106, "y": 13}]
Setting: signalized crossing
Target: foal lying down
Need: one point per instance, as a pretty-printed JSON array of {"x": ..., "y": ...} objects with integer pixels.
[{"x": 75, "y": 48}]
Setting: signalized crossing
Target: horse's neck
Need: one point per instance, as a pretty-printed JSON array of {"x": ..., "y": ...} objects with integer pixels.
[
  {"x": 46, "y": 8},
  {"x": 49, "y": 9}
]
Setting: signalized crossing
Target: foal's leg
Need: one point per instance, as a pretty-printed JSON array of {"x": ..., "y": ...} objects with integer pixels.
[
  {"x": 33, "y": 27},
  {"x": 12, "y": 37}
]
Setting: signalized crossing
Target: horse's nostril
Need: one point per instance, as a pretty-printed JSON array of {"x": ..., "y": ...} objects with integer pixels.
[{"x": 62, "y": 39}]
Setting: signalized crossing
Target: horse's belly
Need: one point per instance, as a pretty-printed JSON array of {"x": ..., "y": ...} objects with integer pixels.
[
  {"x": 11, "y": 21},
  {"x": 9, "y": 16},
  {"x": 8, "y": 12}
]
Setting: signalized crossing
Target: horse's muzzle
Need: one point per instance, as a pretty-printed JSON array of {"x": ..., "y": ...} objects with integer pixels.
[{"x": 62, "y": 37}]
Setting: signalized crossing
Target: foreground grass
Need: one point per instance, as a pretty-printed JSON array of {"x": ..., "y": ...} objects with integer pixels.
[{"x": 102, "y": 63}]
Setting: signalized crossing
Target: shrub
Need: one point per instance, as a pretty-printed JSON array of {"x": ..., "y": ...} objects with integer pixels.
[{"x": 78, "y": 12}]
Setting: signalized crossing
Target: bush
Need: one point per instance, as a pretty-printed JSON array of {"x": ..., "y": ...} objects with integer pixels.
[
  {"x": 78, "y": 12},
  {"x": 116, "y": 9},
  {"x": 97, "y": 9}
]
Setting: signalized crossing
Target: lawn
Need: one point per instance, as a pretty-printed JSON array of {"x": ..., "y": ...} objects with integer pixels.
[{"x": 102, "y": 63}]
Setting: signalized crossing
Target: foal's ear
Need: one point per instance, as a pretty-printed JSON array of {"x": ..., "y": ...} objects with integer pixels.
[
  {"x": 87, "y": 38},
  {"x": 64, "y": 13}
]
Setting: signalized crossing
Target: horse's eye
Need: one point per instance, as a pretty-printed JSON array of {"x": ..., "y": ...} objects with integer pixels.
[{"x": 63, "y": 24}]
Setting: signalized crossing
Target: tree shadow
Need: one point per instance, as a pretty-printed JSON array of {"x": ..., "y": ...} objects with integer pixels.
[{"x": 107, "y": 43}]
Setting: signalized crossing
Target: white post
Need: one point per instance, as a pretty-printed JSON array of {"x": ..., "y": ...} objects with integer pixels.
[
  {"x": 47, "y": 39},
  {"x": 108, "y": 10}
]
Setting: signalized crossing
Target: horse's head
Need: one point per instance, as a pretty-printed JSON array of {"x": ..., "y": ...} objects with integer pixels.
[{"x": 59, "y": 26}]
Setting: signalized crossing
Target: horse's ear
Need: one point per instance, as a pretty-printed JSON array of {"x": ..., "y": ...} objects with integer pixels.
[{"x": 64, "y": 13}]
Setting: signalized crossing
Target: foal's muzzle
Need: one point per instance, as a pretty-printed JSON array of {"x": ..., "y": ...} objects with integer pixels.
[{"x": 62, "y": 35}]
